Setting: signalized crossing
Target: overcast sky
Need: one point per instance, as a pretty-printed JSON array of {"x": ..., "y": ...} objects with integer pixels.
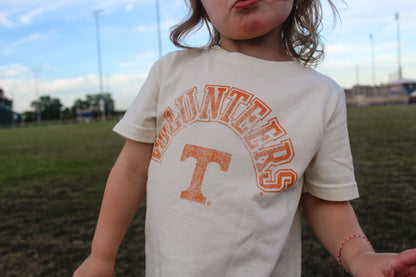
[{"x": 49, "y": 47}]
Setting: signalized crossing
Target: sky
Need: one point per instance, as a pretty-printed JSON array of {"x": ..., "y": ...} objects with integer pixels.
[{"x": 50, "y": 47}]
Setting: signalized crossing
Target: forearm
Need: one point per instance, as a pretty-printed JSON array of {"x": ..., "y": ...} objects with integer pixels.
[
  {"x": 124, "y": 191},
  {"x": 332, "y": 223},
  {"x": 120, "y": 202}
]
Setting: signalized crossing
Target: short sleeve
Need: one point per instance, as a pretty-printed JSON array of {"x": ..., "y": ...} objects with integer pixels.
[
  {"x": 139, "y": 122},
  {"x": 330, "y": 175}
]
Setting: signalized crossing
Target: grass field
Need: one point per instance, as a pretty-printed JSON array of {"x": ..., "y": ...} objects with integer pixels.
[{"x": 52, "y": 179}]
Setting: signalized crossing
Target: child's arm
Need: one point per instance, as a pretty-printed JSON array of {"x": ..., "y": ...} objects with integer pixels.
[
  {"x": 333, "y": 222},
  {"x": 124, "y": 190}
]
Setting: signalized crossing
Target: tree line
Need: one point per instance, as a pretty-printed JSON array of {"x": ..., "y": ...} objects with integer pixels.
[
  {"x": 6, "y": 113},
  {"x": 49, "y": 108},
  {"x": 4, "y": 100}
]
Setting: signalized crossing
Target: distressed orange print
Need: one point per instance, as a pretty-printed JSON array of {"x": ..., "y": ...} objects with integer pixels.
[
  {"x": 251, "y": 116},
  {"x": 212, "y": 102},
  {"x": 188, "y": 106},
  {"x": 236, "y": 97},
  {"x": 246, "y": 116},
  {"x": 279, "y": 181},
  {"x": 274, "y": 156},
  {"x": 272, "y": 131},
  {"x": 174, "y": 124},
  {"x": 203, "y": 157}
]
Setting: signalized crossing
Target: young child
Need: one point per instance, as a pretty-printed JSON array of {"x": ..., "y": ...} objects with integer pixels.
[{"x": 230, "y": 143}]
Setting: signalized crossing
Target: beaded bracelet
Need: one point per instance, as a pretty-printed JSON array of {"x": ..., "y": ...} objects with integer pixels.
[{"x": 342, "y": 246}]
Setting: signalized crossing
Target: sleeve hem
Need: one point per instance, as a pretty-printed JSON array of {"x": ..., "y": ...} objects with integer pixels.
[
  {"x": 136, "y": 134},
  {"x": 345, "y": 192}
]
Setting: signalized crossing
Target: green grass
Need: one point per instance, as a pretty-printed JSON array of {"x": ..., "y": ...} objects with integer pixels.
[
  {"x": 51, "y": 184},
  {"x": 52, "y": 180},
  {"x": 383, "y": 142}
]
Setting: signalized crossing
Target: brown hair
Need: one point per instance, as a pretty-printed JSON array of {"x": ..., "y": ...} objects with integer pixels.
[{"x": 300, "y": 32}]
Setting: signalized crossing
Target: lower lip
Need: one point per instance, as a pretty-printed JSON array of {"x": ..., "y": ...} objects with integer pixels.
[{"x": 245, "y": 4}]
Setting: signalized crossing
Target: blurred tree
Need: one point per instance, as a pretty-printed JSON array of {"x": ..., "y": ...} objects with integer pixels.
[
  {"x": 29, "y": 116},
  {"x": 68, "y": 113},
  {"x": 81, "y": 104},
  {"x": 94, "y": 102},
  {"x": 50, "y": 108},
  {"x": 6, "y": 113},
  {"x": 4, "y": 100}
]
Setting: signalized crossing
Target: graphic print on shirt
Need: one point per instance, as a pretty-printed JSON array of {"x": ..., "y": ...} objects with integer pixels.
[
  {"x": 203, "y": 156},
  {"x": 243, "y": 113}
]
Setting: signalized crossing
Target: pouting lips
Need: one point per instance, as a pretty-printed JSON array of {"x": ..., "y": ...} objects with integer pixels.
[{"x": 244, "y": 4}]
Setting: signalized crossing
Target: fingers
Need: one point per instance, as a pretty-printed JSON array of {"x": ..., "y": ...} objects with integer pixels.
[{"x": 408, "y": 257}]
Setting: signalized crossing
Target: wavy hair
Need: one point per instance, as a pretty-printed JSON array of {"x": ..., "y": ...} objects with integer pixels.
[{"x": 300, "y": 32}]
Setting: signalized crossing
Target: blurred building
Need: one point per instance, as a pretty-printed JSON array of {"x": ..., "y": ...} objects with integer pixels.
[{"x": 396, "y": 92}]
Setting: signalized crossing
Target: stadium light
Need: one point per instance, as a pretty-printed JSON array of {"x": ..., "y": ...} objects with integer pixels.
[
  {"x": 373, "y": 66},
  {"x": 97, "y": 14},
  {"x": 38, "y": 111},
  {"x": 399, "y": 62},
  {"x": 159, "y": 35}
]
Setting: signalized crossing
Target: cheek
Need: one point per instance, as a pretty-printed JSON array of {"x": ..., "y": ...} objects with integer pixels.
[
  {"x": 277, "y": 17},
  {"x": 217, "y": 19},
  {"x": 212, "y": 7}
]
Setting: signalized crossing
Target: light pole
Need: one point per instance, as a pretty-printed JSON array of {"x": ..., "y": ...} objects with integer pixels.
[
  {"x": 159, "y": 35},
  {"x": 357, "y": 74},
  {"x": 399, "y": 62},
  {"x": 38, "y": 111},
  {"x": 97, "y": 14},
  {"x": 373, "y": 66}
]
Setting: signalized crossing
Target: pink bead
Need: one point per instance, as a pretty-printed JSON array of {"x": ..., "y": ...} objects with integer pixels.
[{"x": 342, "y": 245}]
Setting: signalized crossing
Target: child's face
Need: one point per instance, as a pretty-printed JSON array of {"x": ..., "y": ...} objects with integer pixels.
[{"x": 247, "y": 19}]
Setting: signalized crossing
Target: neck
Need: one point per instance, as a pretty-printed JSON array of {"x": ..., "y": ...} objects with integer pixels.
[{"x": 266, "y": 48}]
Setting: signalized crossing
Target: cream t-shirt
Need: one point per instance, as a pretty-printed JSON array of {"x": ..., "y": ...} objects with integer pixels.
[{"x": 237, "y": 140}]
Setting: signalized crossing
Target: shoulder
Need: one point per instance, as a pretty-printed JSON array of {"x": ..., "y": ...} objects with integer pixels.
[
  {"x": 176, "y": 60},
  {"x": 181, "y": 57},
  {"x": 321, "y": 87},
  {"x": 317, "y": 79},
  {"x": 321, "y": 90}
]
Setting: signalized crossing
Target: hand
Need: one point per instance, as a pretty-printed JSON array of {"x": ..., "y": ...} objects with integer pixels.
[
  {"x": 370, "y": 264},
  {"x": 94, "y": 267}
]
